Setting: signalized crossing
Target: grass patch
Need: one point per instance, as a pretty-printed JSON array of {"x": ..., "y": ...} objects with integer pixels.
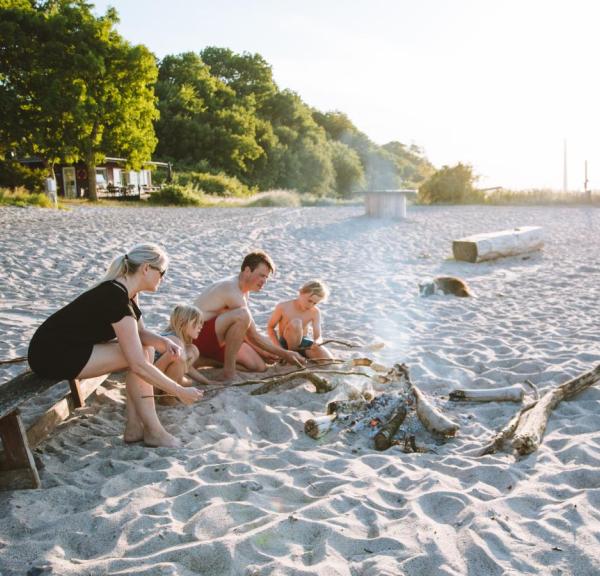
[{"x": 21, "y": 197}]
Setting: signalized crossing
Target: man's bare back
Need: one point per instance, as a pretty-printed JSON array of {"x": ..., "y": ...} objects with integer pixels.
[
  {"x": 229, "y": 334},
  {"x": 220, "y": 297}
]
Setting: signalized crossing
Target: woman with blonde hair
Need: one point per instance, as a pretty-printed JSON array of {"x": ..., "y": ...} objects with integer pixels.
[{"x": 101, "y": 331}]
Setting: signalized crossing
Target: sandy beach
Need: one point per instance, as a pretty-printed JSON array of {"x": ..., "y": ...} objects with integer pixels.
[{"x": 250, "y": 493}]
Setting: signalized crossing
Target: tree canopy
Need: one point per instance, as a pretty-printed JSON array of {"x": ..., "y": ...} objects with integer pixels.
[
  {"x": 450, "y": 185},
  {"x": 74, "y": 88}
]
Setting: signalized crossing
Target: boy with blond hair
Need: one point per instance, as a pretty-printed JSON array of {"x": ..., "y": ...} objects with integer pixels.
[{"x": 290, "y": 321}]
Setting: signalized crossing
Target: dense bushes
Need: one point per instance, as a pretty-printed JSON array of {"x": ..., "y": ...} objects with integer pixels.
[
  {"x": 451, "y": 185},
  {"x": 217, "y": 184},
  {"x": 20, "y": 197},
  {"x": 174, "y": 195}
]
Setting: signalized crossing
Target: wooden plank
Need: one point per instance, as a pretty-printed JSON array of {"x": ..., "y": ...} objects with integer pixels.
[
  {"x": 19, "y": 469},
  {"x": 60, "y": 411},
  {"x": 21, "y": 388},
  {"x": 491, "y": 245},
  {"x": 76, "y": 395}
]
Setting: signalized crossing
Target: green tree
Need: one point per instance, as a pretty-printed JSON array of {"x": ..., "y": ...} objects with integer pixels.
[
  {"x": 349, "y": 172},
  {"x": 249, "y": 75},
  {"x": 451, "y": 185},
  {"x": 78, "y": 90},
  {"x": 202, "y": 124}
]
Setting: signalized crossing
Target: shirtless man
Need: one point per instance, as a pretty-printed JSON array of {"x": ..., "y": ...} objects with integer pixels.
[{"x": 229, "y": 333}]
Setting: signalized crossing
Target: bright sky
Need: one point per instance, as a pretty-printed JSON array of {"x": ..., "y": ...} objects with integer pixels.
[{"x": 498, "y": 84}]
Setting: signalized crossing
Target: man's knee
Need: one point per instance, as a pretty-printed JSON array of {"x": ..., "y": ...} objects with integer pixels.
[{"x": 242, "y": 317}]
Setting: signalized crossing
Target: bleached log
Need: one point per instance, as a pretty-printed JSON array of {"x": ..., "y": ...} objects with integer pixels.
[
  {"x": 383, "y": 438},
  {"x": 431, "y": 417},
  {"x": 491, "y": 245},
  {"x": 505, "y": 433},
  {"x": 529, "y": 433},
  {"x": 318, "y": 426},
  {"x": 507, "y": 394}
]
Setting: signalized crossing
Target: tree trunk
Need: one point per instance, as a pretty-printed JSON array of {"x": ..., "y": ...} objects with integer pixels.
[
  {"x": 491, "y": 245},
  {"x": 90, "y": 165}
]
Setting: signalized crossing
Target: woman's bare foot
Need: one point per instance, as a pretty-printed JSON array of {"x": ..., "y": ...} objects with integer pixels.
[
  {"x": 161, "y": 439},
  {"x": 134, "y": 432}
]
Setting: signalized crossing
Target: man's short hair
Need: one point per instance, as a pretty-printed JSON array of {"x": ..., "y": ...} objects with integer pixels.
[{"x": 253, "y": 259}]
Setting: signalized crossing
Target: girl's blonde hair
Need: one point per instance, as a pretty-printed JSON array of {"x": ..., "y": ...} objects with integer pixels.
[
  {"x": 181, "y": 317},
  {"x": 317, "y": 288},
  {"x": 128, "y": 263}
]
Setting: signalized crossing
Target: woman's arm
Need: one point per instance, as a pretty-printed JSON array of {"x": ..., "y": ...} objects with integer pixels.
[
  {"x": 129, "y": 340},
  {"x": 160, "y": 343}
]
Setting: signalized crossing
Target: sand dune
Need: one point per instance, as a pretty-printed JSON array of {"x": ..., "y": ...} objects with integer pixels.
[{"x": 250, "y": 493}]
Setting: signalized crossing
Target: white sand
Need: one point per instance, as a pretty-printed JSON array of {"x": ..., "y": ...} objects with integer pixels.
[{"x": 250, "y": 493}]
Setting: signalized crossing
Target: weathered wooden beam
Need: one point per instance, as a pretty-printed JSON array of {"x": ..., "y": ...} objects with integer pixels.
[
  {"x": 18, "y": 468},
  {"x": 491, "y": 245}
]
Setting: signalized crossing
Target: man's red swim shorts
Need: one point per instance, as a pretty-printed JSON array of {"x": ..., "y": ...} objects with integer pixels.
[{"x": 208, "y": 343}]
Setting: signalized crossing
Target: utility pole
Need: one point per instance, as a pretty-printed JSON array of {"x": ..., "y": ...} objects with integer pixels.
[
  {"x": 587, "y": 191},
  {"x": 565, "y": 165}
]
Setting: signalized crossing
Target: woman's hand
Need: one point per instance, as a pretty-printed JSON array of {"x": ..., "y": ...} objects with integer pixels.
[
  {"x": 172, "y": 350},
  {"x": 189, "y": 395}
]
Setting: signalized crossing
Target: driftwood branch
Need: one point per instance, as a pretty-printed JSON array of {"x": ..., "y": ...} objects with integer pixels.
[
  {"x": 14, "y": 360},
  {"x": 530, "y": 430},
  {"x": 340, "y": 342},
  {"x": 505, "y": 433},
  {"x": 431, "y": 417},
  {"x": 507, "y": 394},
  {"x": 383, "y": 438}
]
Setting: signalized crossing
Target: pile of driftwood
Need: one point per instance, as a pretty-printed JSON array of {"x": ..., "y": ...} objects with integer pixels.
[
  {"x": 526, "y": 428},
  {"x": 385, "y": 413}
]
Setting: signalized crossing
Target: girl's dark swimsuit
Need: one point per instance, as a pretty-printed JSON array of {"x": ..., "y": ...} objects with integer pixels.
[{"x": 63, "y": 344}]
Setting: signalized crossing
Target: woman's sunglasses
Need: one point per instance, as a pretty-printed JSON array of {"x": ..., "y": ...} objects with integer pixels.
[{"x": 161, "y": 272}]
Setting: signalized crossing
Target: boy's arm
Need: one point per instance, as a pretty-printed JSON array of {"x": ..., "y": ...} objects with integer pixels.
[
  {"x": 273, "y": 322},
  {"x": 316, "y": 325}
]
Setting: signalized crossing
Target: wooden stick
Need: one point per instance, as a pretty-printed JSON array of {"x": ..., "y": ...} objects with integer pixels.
[
  {"x": 341, "y": 342},
  {"x": 529, "y": 433},
  {"x": 14, "y": 360},
  {"x": 507, "y": 394},
  {"x": 383, "y": 438},
  {"x": 431, "y": 417}
]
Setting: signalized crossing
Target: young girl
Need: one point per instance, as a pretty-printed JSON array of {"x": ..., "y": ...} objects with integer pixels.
[
  {"x": 102, "y": 331},
  {"x": 184, "y": 326},
  {"x": 293, "y": 318}
]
